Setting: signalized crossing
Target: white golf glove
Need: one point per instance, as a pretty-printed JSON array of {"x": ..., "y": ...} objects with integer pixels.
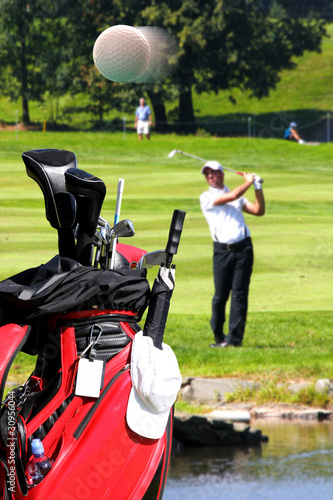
[{"x": 257, "y": 183}]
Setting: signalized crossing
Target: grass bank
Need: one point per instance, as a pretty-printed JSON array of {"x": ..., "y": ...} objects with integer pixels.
[{"x": 289, "y": 331}]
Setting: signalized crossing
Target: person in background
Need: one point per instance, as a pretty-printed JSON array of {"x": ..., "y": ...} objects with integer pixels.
[
  {"x": 291, "y": 133},
  {"x": 233, "y": 251},
  {"x": 143, "y": 119}
]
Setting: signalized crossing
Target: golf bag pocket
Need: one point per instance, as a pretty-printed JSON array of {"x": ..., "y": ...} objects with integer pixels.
[{"x": 106, "y": 333}]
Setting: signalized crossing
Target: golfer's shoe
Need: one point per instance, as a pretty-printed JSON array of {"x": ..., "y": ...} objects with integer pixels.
[{"x": 222, "y": 344}]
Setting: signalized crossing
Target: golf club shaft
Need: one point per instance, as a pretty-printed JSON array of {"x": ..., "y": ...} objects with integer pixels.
[
  {"x": 119, "y": 198},
  {"x": 202, "y": 159},
  {"x": 116, "y": 220}
]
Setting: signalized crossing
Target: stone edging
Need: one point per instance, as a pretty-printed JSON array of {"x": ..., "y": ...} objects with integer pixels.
[{"x": 229, "y": 424}]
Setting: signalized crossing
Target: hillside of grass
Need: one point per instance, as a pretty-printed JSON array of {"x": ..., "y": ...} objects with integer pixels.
[{"x": 303, "y": 95}]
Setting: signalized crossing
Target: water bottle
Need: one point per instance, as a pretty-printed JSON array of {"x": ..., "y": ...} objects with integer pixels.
[{"x": 39, "y": 465}]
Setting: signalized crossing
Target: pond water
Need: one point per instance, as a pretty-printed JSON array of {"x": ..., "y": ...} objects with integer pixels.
[{"x": 296, "y": 463}]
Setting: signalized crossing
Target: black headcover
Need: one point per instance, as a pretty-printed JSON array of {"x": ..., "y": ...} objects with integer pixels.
[{"x": 47, "y": 167}]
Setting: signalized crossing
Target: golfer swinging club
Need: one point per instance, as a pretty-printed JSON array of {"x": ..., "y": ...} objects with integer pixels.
[{"x": 233, "y": 251}]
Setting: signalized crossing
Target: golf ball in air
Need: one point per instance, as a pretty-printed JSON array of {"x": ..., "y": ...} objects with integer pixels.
[
  {"x": 121, "y": 53},
  {"x": 163, "y": 57}
]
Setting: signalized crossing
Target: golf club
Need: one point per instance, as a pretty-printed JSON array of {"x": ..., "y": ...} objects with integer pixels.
[
  {"x": 102, "y": 242},
  {"x": 47, "y": 168},
  {"x": 152, "y": 259},
  {"x": 158, "y": 257},
  {"x": 174, "y": 151},
  {"x": 104, "y": 237},
  {"x": 120, "y": 190},
  {"x": 175, "y": 232},
  {"x": 89, "y": 192},
  {"x": 123, "y": 229}
]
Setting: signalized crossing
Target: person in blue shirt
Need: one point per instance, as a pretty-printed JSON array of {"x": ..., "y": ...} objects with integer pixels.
[
  {"x": 291, "y": 133},
  {"x": 143, "y": 119}
]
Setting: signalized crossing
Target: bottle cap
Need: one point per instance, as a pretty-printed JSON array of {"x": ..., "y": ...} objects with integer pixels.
[{"x": 37, "y": 447}]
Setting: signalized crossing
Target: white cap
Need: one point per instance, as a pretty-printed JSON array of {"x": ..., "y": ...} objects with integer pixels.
[
  {"x": 214, "y": 165},
  {"x": 156, "y": 380},
  {"x": 293, "y": 124}
]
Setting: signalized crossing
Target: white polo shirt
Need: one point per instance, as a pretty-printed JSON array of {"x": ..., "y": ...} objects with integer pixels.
[{"x": 226, "y": 222}]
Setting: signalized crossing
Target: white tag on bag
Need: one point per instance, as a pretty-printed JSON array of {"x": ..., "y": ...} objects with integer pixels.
[{"x": 89, "y": 378}]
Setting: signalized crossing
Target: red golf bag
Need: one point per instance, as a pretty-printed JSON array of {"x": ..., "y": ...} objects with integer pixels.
[
  {"x": 67, "y": 313},
  {"x": 94, "y": 451}
]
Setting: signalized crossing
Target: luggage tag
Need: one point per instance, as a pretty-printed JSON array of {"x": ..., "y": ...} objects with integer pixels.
[{"x": 90, "y": 373}]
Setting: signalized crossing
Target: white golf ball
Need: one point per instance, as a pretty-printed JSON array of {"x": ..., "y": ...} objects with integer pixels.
[{"x": 121, "y": 53}]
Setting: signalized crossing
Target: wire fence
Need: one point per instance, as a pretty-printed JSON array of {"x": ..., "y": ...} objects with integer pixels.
[
  {"x": 250, "y": 126},
  {"x": 315, "y": 126}
]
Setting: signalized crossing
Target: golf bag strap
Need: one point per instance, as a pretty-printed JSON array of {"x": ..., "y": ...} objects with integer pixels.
[{"x": 13, "y": 337}]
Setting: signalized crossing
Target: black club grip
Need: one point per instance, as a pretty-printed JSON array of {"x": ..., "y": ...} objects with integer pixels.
[{"x": 174, "y": 234}]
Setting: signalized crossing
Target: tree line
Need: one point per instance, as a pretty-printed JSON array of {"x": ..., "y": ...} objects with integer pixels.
[{"x": 46, "y": 49}]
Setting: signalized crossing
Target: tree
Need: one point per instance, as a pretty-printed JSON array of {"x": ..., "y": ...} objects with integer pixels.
[
  {"x": 30, "y": 48},
  {"x": 86, "y": 20},
  {"x": 224, "y": 45},
  {"x": 221, "y": 45},
  {"x": 254, "y": 48}
]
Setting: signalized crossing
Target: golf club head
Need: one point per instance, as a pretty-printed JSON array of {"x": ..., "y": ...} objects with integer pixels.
[
  {"x": 123, "y": 229},
  {"x": 172, "y": 153},
  {"x": 103, "y": 223},
  {"x": 152, "y": 259}
]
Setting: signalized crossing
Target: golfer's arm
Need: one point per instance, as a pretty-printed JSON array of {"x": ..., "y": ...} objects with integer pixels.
[
  {"x": 258, "y": 207},
  {"x": 234, "y": 194}
]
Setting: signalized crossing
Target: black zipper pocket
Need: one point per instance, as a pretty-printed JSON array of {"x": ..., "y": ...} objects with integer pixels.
[{"x": 81, "y": 427}]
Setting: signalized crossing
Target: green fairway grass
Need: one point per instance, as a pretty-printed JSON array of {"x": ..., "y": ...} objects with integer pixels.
[{"x": 289, "y": 330}]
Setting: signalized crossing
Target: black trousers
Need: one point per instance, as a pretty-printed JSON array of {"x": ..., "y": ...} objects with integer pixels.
[{"x": 232, "y": 267}]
